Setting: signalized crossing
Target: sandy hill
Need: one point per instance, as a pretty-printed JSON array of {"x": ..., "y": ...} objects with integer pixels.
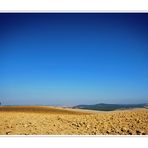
[{"x": 42, "y": 120}]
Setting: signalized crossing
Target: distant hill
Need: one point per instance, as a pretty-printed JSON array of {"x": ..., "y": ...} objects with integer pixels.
[{"x": 110, "y": 107}]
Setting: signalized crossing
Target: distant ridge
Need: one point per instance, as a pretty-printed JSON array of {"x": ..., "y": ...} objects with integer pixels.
[{"x": 111, "y": 107}]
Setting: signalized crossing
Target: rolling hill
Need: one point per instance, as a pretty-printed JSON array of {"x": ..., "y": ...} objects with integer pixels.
[{"x": 110, "y": 107}]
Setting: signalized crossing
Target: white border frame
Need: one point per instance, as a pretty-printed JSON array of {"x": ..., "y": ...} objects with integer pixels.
[{"x": 74, "y": 5}]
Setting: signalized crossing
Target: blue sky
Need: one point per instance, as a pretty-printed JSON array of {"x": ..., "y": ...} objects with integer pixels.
[{"x": 70, "y": 59}]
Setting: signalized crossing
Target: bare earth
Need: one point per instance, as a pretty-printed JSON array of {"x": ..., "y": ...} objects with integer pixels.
[{"x": 35, "y": 120}]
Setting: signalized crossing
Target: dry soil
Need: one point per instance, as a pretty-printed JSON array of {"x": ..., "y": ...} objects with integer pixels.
[{"x": 36, "y": 120}]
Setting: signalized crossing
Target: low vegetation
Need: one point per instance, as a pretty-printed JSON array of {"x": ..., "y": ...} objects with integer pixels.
[{"x": 110, "y": 107}]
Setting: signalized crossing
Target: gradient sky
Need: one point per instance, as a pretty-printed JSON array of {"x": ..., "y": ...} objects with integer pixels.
[{"x": 70, "y": 59}]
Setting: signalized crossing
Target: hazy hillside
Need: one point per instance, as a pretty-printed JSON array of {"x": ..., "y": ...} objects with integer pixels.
[{"x": 110, "y": 107}]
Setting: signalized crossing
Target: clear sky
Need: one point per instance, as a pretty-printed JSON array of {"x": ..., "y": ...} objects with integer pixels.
[{"x": 70, "y": 59}]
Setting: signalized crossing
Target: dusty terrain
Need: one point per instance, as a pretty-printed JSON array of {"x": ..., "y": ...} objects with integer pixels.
[{"x": 57, "y": 121}]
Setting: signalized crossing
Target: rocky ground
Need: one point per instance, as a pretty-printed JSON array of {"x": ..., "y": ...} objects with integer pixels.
[{"x": 55, "y": 121}]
